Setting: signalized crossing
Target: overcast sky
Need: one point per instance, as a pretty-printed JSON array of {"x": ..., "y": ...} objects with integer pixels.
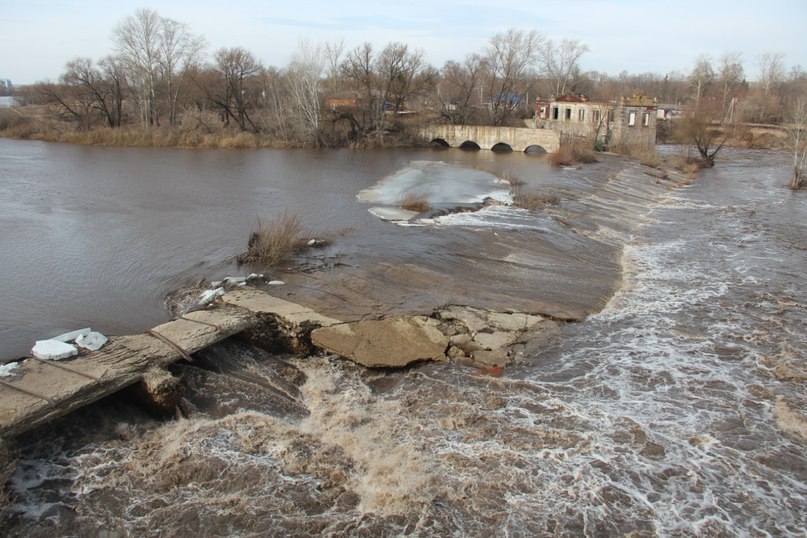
[{"x": 37, "y": 37}]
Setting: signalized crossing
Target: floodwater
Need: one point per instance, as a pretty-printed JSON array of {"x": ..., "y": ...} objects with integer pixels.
[
  {"x": 677, "y": 410},
  {"x": 97, "y": 237}
]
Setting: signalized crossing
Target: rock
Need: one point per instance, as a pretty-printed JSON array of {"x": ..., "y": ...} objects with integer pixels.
[
  {"x": 53, "y": 350},
  {"x": 495, "y": 340},
  {"x": 455, "y": 353},
  {"x": 391, "y": 342},
  {"x": 491, "y": 357},
  {"x": 465, "y": 342}
]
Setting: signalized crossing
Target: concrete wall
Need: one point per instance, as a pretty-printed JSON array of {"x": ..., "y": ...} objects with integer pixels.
[{"x": 518, "y": 138}]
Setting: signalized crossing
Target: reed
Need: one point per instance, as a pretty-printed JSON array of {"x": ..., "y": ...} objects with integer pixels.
[
  {"x": 411, "y": 202},
  {"x": 535, "y": 199},
  {"x": 276, "y": 241}
]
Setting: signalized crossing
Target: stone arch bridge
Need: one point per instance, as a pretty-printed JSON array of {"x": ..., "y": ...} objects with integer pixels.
[{"x": 495, "y": 138}]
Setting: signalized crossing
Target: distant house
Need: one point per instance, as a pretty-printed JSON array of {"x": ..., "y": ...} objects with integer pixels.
[
  {"x": 630, "y": 121},
  {"x": 343, "y": 101}
]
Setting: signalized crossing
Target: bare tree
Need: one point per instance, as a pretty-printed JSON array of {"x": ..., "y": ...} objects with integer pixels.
[
  {"x": 796, "y": 128},
  {"x": 510, "y": 58},
  {"x": 560, "y": 64},
  {"x": 701, "y": 77},
  {"x": 70, "y": 99},
  {"x": 235, "y": 95},
  {"x": 115, "y": 79},
  {"x": 730, "y": 75},
  {"x": 333, "y": 55},
  {"x": 304, "y": 76},
  {"x": 358, "y": 70},
  {"x": 138, "y": 42},
  {"x": 704, "y": 129},
  {"x": 402, "y": 74},
  {"x": 178, "y": 51},
  {"x": 771, "y": 71},
  {"x": 458, "y": 86},
  {"x": 94, "y": 89}
]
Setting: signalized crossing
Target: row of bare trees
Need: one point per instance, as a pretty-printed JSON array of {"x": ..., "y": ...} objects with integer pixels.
[{"x": 159, "y": 73}]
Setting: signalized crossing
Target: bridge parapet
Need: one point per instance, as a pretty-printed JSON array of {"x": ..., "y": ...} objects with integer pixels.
[{"x": 486, "y": 137}]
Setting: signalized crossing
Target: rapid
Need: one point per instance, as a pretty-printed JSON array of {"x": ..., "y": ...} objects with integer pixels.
[{"x": 677, "y": 409}]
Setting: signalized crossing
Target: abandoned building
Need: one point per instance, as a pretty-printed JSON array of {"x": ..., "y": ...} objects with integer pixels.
[{"x": 631, "y": 121}]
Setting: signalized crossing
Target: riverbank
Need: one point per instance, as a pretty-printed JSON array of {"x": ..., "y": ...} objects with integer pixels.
[{"x": 205, "y": 132}]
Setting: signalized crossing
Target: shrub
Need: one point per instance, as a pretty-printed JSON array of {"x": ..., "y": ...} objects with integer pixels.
[
  {"x": 562, "y": 156},
  {"x": 535, "y": 199},
  {"x": 571, "y": 152},
  {"x": 411, "y": 202},
  {"x": 277, "y": 241}
]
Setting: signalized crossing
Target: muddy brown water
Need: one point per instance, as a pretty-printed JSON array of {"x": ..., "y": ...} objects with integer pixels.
[
  {"x": 677, "y": 410},
  {"x": 98, "y": 236}
]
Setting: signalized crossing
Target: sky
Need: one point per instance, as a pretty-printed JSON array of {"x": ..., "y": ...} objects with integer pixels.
[{"x": 38, "y": 37}]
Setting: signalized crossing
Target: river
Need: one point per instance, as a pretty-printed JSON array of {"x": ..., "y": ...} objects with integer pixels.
[
  {"x": 676, "y": 410},
  {"x": 96, "y": 237}
]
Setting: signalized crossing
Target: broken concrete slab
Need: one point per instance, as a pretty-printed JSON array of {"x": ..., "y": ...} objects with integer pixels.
[
  {"x": 160, "y": 391},
  {"x": 391, "y": 342},
  {"x": 283, "y": 326}
]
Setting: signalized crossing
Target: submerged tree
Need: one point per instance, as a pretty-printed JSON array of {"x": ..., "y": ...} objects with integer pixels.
[
  {"x": 704, "y": 129},
  {"x": 796, "y": 128}
]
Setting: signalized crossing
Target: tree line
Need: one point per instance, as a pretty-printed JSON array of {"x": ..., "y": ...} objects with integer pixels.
[{"x": 159, "y": 74}]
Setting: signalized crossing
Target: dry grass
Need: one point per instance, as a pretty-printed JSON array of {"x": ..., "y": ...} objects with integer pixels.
[
  {"x": 513, "y": 181},
  {"x": 278, "y": 240},
  {"x": 646, "y": 155},
  {"x": 411, "y": 202},
  {"x": 571, "y": 152},
  {"x": 535, "y": 199},
  {"x": 562, "y": 156}
]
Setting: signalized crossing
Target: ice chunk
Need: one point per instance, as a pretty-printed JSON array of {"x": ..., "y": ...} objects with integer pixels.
[
  {"x": 275, "y": 282},
  {"x": 6, "y": 370},
  {"x": 68, "y": 337},
  {"x": 392, "y": 213},
  {"x": 53, "y": 350},
  {"x": 92, "y": 341},
  {"x": 232, "y": 281},
  {"x": 437, "y": 183},
  {"x": 209, "y": 296}
]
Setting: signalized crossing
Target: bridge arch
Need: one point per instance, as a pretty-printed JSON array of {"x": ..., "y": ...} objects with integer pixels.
[
  {"x": 470, "y": 145},
  {"x": 439, "y": 143},
  {"x": 535, "y": 149},
  {"x": 502, "y": 147}
]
